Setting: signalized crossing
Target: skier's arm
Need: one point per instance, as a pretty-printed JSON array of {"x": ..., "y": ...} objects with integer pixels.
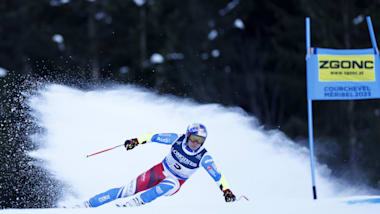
[
  {"x": 164, "y": 138},
  {"x": 209, "y": 165}
]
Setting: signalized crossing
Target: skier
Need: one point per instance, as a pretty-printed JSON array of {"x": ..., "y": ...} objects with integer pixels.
[{"x": 166, "y": 178}]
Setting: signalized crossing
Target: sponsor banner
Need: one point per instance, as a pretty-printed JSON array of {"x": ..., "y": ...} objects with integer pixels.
[
  {"x": 346, "y": 68},
  {"x": 343, "y": 74}
]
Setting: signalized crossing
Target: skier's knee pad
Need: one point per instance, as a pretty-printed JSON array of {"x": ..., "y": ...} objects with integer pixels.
[{"x": 166, "y": 187}]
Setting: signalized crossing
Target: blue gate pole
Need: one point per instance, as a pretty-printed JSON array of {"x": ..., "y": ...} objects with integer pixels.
[
  {"x": 310, "y": 112},
  {"x": 372, "y": 34},
  {"x": 308, "y": 42},
  {"x": 311, "y": 145}
]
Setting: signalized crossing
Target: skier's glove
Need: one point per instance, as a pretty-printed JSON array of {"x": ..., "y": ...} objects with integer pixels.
[
  {"x": 228, "y": 195},
  {"x": 130, "y": 144}
]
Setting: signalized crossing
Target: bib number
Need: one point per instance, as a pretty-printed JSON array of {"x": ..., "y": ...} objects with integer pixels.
[{"x": 177, "y": 166}]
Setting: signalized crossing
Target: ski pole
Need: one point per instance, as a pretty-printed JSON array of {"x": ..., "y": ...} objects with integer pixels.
[{"x": 104, "y": 150}]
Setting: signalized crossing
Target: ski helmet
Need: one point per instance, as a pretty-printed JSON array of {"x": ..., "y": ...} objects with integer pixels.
[{"x": 196, "y": 129}]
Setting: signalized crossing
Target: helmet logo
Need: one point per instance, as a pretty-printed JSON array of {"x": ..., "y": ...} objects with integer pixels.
[{"x": 197, "y": 129}]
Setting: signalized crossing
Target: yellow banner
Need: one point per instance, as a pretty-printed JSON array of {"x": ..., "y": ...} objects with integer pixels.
[{"x": 346, "y": 68}]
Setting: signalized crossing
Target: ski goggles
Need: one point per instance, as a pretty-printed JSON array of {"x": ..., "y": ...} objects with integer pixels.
[{"x": 197, "y": 138}]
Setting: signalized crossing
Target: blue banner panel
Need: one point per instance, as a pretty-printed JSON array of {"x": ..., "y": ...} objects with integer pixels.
[{"x": 348, "y": 74}]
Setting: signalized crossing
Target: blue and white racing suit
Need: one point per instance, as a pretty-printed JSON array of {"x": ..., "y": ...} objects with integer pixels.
[{"x": 165, "y": 178}]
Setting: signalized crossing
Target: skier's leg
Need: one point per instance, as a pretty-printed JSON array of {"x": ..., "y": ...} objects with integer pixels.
[
  {"x": 105, "y": 197},
  {"x": 143, "y": 182},
  {"x": 166, "y": 187}
]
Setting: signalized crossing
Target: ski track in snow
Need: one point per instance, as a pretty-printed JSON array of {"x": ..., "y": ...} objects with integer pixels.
[{"x": 267, "y": 167}]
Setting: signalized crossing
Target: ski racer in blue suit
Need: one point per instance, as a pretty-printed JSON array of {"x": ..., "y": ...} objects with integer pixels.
[{"x": 187, "y": 154}]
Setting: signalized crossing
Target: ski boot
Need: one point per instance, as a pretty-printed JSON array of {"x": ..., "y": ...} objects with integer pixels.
[{"x": 133, "y": 202}]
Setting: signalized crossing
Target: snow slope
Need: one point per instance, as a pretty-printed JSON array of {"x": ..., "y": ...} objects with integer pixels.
[{"x": 267, "y": 167}]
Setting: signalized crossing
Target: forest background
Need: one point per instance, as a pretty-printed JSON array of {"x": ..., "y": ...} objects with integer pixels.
[{"x": 245, "y": 53}]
